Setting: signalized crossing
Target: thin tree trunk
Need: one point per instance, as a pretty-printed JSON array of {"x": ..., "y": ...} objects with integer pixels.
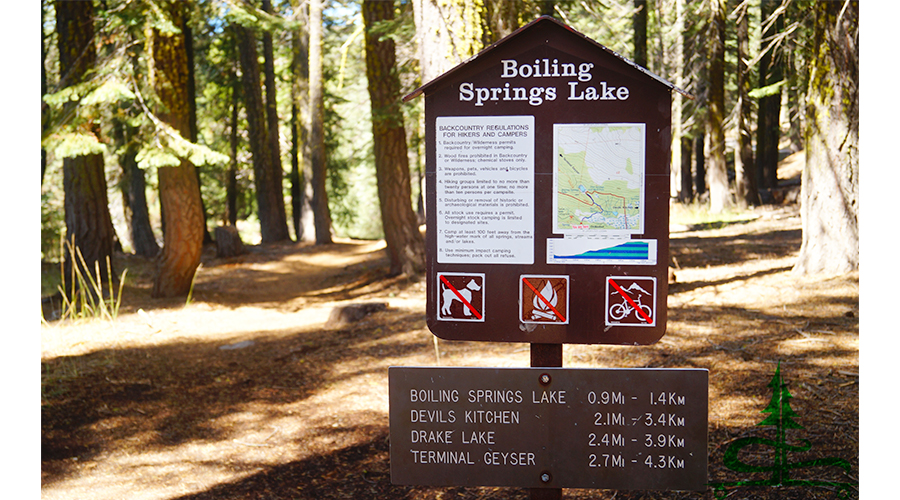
[
  {"x": 269, "y": 201},
  {"x": 502, "y": 19},
  {"x": 639, "y": 25},
  {"x": 272, "y": 134},
  {"x": 700, "y": 165},
  {"x": 719, "y": 194},
  {"x": 321, "y": 212},
  {"x": 192, "y": 101},
  {"x": 231, "y": 179},
  {"x": 401, "y": 230},
  {"x": 89, "y": 226},
  {"x": 830, "y": 184},
  {"x": 686, "y": 194},
  {"x": 301, "y": 173},
  {"x": 134, "y": 196},
  {"x": 178, "y": 188},
  {"x": 744, "y": 167},
  {"x": 768, "y": 129},
  {"x": 45, "y": 110}
]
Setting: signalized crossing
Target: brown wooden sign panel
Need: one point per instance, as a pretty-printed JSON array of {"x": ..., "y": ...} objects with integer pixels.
[
  {"x": 549, "y": 427},
  {"x": 547, "y": 191}
]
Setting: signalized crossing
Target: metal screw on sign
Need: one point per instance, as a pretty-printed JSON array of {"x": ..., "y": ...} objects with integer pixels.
[
  {"x": 545, "y": 378},
  {"x": 546, "y": 477}
]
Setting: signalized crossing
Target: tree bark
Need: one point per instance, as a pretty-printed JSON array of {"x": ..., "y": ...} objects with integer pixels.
[
  {"x": 639, "y": 24},
  {"x": 768, "y": 128},
  {"x": 178, "y": 188},
  {"x": 744, "y": 167},
  {"x": 686, "y": 193},
  {"x": 273, "y": 133},
  {"x": 192, "y": 106},
  {"x": 269, "y": 200},
  {"x": 448, "y": 32},
  {"x": 321, "y": 212},
  {"x": 719, "y": 193},
  {"x": 830, "y": 183},
  {"x": 134, "y": 195},
  {"x": 45, "y": 110},
  {"x": 502, "y": 18},
  {"x": 301, "y": 173},
  {"x": 89, "y": 226},
  {"x": 405, "y": 246},
  {"x": 231, "y": 175},
  {"x": 700, "y": 165}
]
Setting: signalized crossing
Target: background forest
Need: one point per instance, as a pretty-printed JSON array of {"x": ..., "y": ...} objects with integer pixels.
[{"x": 259, "y": 115}]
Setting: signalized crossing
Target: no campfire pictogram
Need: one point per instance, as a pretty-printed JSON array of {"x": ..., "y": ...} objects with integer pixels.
[
  {"x": 630, "y": 301},
  {"x": 460, "y": 297},
  {"x": 544, "y": 299}
]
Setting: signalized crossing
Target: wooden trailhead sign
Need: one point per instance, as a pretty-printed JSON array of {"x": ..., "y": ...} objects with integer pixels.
[
  {"x": 638, "y": 428},
  {"x": 547, "y": 194}
]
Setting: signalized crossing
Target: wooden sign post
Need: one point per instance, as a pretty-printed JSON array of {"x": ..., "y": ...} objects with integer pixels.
[{"x": 547, "y": 196}]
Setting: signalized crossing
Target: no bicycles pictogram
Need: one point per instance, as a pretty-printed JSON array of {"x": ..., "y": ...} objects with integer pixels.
[{"x": 630, "y": 301}]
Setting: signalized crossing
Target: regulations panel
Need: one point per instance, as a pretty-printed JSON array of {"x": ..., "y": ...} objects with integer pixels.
[{"x": 549, "y": 427}]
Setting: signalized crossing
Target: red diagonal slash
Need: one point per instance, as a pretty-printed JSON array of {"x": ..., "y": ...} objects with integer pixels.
[
  {"x": 460, "y": 297},
  {"x": 544, "y": 300},
  {"x": 628, "y": 298}
]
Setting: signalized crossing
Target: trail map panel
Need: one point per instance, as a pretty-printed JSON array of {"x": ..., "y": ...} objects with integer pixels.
[{"x": 598, "y": 178}]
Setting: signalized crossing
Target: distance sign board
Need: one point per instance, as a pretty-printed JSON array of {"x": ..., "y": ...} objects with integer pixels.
[
  {"x": 549, "y": 427},
  {"x": 547, "y": 172}
]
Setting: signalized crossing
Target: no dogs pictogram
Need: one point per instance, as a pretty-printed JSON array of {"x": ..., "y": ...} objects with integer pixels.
[
  {"x": 630, "y": 300},
  {"x": 460, "y": 297},
  {"x": 544, "y": 299}
]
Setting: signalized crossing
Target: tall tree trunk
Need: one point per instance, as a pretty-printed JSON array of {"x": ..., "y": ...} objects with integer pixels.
[
  {"x": 677, "y": 179},
  {"x": 321, "y": 212},
  {"x": 189, "y": 48},
  {"x": 448, "y": 32},
  {"x": 639, "y": 24},
  {"x": 502, "y": 18},
  {"x": 231, "y": 175},
  {"x": 700, "y": 165},
  {"x": 269, "y": 201},
  {"x": 405, "y": 246},
  {"x": 719, "y": 193},
  {"x": 179, "y": 192},
  {"x": 301, "y": 172},
  {"x": 768, "y": 128},
  {"x": 744, "y": 167},
  {"x": 134, "y": 196},
  {"x": 272, "y": 129},
  {"x": 830, "y": 184},
  {"x": 45, "y": 110},
  {"x": 686, "y": 194},
  {"x": 89, "y": 226}
]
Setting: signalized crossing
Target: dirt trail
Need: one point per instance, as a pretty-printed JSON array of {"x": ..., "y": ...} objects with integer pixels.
[{"x": 245, "y": 393}]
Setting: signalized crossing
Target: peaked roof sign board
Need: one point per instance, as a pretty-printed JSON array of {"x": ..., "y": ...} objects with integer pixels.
[{"x": 547, "y": 193}]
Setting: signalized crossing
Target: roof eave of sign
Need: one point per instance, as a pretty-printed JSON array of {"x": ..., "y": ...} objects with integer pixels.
[{"x": 424, "y": 88}]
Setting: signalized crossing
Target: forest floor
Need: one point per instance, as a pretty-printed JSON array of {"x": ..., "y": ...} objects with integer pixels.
[{"x": 246, "y": 392}]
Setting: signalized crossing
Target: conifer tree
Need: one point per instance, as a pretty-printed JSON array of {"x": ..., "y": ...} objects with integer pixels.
[
  {"x": 178, "y": 189},
  {"x": 89, "y": 226}
]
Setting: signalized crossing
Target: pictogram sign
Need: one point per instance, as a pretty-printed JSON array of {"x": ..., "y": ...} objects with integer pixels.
[
  {"x": 631, "y": 301},
  {"x": 461, "y": 296},
  {"x": 543, "y": 299}
]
